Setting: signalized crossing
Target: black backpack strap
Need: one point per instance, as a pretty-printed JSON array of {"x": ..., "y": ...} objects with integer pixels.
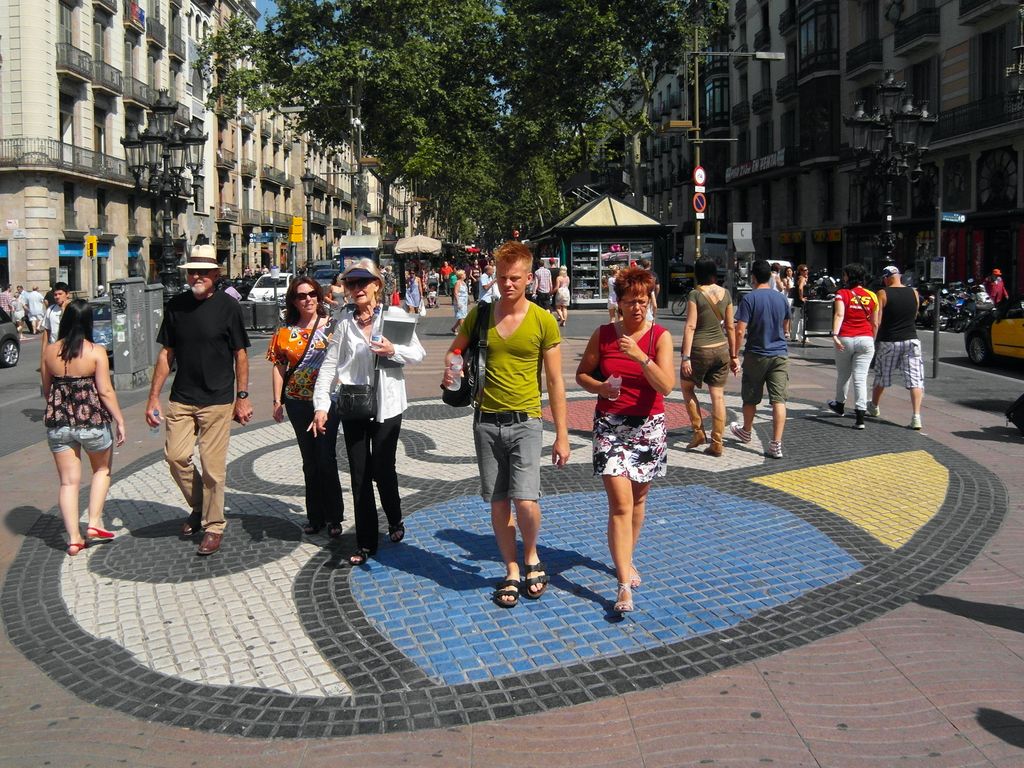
[{"x": 483, "y": 321}]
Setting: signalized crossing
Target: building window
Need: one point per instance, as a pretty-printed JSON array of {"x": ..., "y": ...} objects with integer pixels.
[
  {"x": 101, "y": 209},
  {"x": 765, "y": 139},
  {"x": 766, "y": 205},
  {"x": 742, "y": 147},
  {"x": 787, "y": 129},
  {"x": 924, "y": 82},
  {"x": 66, "y": 23},
  {"x": 990, "y": 53},
  {"x": 818, "y": 38}
]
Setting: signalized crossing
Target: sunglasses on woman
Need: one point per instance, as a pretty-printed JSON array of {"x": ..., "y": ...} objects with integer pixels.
[
  {"x": 358, "y": 282},
  {"x": 303, "y": 295}
]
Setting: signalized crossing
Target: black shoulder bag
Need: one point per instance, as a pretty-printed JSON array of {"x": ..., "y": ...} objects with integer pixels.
[
  {"x": 358, "y": 401},
  {"x": 472, "y": 382}
]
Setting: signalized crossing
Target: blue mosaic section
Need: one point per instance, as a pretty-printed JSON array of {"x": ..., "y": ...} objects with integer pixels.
[{"x": 708, "y": 560}]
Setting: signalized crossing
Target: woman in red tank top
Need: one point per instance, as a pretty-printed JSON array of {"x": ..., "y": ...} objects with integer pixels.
[
  {"x": 628, "y": 365},
  {"x": 854, "y": 324}
]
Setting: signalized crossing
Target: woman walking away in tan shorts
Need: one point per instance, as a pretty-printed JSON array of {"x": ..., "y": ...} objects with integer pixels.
[{"x": 708, "y": 353}]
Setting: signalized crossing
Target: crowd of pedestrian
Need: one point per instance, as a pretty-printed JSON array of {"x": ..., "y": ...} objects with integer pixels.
[{"x": 335, "y": 370}]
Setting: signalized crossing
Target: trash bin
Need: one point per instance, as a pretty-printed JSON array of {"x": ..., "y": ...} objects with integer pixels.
[
  {"x": 248, "y": 315},
  {"x": 819, "y": 317},
  {"x": 266, "y": 314}
]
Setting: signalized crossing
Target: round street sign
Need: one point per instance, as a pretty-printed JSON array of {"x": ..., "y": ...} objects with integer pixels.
[
  {"x": 700, "y": 202},
  {"x": 699, "y": 175}
]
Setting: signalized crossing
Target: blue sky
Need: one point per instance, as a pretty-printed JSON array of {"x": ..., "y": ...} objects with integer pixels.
[{"x": 265, "y": 7}]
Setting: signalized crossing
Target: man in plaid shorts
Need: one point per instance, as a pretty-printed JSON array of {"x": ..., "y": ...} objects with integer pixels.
[{"x": 897, "y": 347}]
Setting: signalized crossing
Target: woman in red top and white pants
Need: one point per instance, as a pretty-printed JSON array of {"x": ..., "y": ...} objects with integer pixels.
[
  {"x": 634, "y": 358},
  {"x": 854, "y": 325}
]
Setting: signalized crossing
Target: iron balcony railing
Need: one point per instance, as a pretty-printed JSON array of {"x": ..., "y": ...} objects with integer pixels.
[
  {"x": 177, "y": 46},
  {"x": 976, "y": 115},
  {"x": 74, "y": 61},
  {"x": 864, "y": 55},
  {"x": 741, "y": 112},
  {"x": 248, "y": 167},
  {"x": 282, "y": 220},
  {"x": 131, "y": 16},
  {"x": 825, "y": 62},
  {"x": 924, "y": 22},
  {"x": 266, "y": 129},
  {"x": 156, "y": 32},
  {"x": 320, "y": 218},
  {"x": 763, "y": 39},
  {"x": 71, "y": 221},
  {"x": 713, "y": 121},
  {"x": 787, "y": 21},
  {"x": 183, "y": 114},
  {"x": 225, "y": 158},
  {"x": 268, "y": 218},
  {"x": 110, "y": 6},
  {"x": 786, "y": 89},
  {"x": 968, "y": 7},
  {"x": 227, "y": 212},
  {"x": 138, "y": 91},
  {"x": 56, "y": 155},
  {"x": 105, "y": 76},
  {"x": 715, "y": 66},
  {"x": 251, "y": 217},
  {"x": 247, "y": 121},
  {"x": 339, "y": 223},
  {"x": 278, "y": 135},
  {"x": 761, "y": 101}
]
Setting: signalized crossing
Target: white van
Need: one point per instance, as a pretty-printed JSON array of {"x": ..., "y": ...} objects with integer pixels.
[{"x": 263, "y": 290}]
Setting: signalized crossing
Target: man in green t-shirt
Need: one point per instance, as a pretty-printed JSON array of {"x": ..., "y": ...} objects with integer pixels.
[{"x": 507, "y": 428}]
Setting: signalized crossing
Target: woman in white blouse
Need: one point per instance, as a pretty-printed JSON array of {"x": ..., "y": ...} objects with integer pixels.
[{"x": 371, "y": 443}]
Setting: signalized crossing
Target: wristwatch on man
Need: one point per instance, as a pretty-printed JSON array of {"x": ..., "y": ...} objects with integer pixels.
[{"x": 241, "y": 394}]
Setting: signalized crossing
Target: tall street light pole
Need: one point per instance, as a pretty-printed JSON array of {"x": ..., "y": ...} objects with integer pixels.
[
  {"x": 308, "y": 182},
  {"x": 693, "y": 127},
  {"x": 892, "y": 139},
  {"x": 157, "y": 159}
]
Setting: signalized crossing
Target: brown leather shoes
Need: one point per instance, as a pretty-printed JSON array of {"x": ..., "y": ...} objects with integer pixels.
[{"x": 211, "y": 543}]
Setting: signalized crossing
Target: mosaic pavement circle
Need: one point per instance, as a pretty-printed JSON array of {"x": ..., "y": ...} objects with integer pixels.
[{"x": 276, "y": 636}]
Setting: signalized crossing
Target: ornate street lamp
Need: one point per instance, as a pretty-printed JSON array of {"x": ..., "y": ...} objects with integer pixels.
[
  {"x": 308, "y": 180},
  {"x": 157, "y": 158},
  {"x": 891, "y": 139}
]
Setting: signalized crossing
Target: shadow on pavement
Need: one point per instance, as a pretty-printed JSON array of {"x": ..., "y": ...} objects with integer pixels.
[
  {"x": 1003, "y": 726},
  {"x": 21, "y": 519},
  {"x": 992, "y": 434},
  {"x": 1004, "y": 616}
]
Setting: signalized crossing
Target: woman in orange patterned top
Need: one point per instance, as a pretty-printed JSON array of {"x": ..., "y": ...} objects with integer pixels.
[{"x": 297, "y": 351}]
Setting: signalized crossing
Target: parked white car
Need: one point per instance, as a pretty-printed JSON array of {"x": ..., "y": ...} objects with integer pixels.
[{"x": 263, "y": 290}]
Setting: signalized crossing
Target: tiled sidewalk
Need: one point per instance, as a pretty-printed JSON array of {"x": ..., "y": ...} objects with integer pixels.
[{"x": 777, "y": 621}]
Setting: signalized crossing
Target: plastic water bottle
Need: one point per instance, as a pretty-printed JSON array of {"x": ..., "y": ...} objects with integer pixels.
[
  {"x": 155, "y": 430},
  {"x": 375, "y": 335},
  {"x": 615, "y": 382},
  {"x": 455, "y": 366}
]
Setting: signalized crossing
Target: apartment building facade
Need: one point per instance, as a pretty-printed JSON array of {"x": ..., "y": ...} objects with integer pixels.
[
  {"x": 787, "y": 166},
  {"x": 73, "y": 75}
]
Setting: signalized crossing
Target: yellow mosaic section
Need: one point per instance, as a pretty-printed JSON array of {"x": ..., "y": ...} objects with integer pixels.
[{"x": 890, "y": 496}]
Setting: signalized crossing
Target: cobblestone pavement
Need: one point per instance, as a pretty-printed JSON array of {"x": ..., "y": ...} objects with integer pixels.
[{"x": 859, "y": 602}]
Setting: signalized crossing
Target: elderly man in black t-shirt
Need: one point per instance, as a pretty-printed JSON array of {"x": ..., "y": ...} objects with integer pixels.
[{"x": 203, "y": 332}]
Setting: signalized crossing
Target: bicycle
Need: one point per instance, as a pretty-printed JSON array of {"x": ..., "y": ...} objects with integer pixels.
[{"x": 678, "y": 306}]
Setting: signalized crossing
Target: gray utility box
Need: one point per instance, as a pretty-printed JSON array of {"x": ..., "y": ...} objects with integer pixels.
[{"x": 130, "y": 332}]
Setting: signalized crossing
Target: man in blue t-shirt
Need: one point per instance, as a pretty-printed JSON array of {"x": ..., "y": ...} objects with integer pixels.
[{"x": 763, "y": 317}]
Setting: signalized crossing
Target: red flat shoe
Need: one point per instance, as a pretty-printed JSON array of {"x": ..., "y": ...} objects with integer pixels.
[
  {"x": 97, "y": 533},
  {"x": 74, "y": 549}
]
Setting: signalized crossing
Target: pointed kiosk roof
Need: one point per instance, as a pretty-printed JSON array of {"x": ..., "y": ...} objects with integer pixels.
[{"x": 606, "y": 212}]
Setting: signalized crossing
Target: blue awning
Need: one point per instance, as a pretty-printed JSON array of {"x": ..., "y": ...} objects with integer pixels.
[
  {"x": 103, "y": 250},
  {"x": 67, "y": 249},
  {"x": 3, "y": 249},
  {"x": 134, "y": 251}
]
